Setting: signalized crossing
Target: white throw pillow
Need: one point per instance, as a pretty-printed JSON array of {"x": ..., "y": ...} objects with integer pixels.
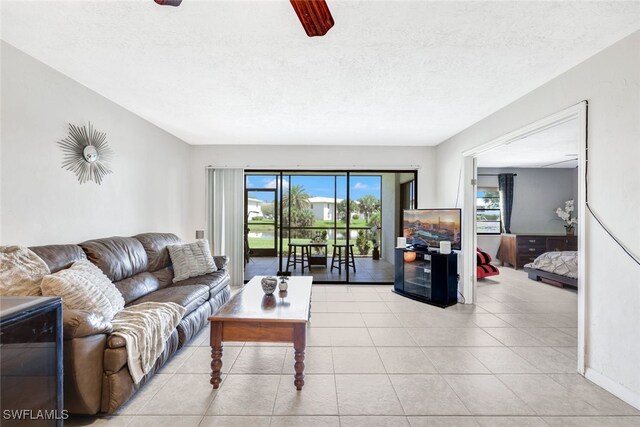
[
  {"x": 83, "y": 286},
  {"x": 21, "y": 271},
  {"x": 191, "y": 260}
]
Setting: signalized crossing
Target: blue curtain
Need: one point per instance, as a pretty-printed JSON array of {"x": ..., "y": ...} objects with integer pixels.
[{"x": 505, "y": 185}]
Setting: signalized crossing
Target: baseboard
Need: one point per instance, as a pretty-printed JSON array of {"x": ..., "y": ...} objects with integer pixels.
[{"x": 621, "y": 392}]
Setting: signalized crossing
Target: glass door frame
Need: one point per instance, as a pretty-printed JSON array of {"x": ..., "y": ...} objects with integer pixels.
[
  {"x": 280, "y": 174},
  {"x": 262, "y": 251}
]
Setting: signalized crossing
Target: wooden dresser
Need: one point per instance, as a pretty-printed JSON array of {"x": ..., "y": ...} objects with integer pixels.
[{"x": 520, "y": 249}]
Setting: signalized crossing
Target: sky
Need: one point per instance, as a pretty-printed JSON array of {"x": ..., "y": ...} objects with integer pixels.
[{"x": 320, "y": 186}]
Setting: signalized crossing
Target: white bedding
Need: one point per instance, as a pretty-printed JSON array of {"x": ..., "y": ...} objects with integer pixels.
[{"x": 562, "y": 263}]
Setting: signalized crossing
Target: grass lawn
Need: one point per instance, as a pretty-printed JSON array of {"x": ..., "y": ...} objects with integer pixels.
[{"x": 267, "y": 225}]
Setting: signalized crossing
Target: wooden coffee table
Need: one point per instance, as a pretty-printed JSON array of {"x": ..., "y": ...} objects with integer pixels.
[{"x": 250, "y": 315}]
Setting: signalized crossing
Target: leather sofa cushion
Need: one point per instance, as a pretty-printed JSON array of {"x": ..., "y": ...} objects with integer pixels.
[
  {"x": 116, "y": 341},
  {"x": 190, "y": 297},
  {"x": 59, "y": 257},
  {"x": 114, "y": 359},
  {"x": 164, "y": 276},
  {"x": 83, "y": 371},
  {"x": 191, "y": 324},
  {"x": 118, "y": 257},
  {"x": 155, "y": 245},
  {"x": 212, "y": 280},
  {"x": 118, "y": 387},
  {"x": 221, "y": 261},
  {"x": 137, "y": 286},
  {"x": 82, "y": 323}
]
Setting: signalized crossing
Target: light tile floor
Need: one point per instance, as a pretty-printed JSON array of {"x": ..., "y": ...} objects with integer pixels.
[{"x": 377, "y": 359}]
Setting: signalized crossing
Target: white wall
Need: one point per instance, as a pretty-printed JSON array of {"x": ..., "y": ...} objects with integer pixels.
[
  {"x": 610, "y": 81},
  {"x": 307, "y": 157},
  {"x": 389, "y": 212},
  {"x": 537, "y": 192},
  {"x": 41, "y": 203}
]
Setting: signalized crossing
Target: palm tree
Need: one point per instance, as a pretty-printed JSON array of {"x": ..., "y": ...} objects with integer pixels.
[
  {"x": 368, "y": 204},
  {"x": 298, "y": 197},
  {"x": 342, "y": 209}
]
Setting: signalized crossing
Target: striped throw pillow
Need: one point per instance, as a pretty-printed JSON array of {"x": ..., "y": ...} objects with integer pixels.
[
  {"x": 83, "y": 286},
  {"x": 191, "y": 260}
]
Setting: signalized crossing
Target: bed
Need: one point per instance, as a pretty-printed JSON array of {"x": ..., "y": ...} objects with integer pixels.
[{"x": 555, "y": 268}]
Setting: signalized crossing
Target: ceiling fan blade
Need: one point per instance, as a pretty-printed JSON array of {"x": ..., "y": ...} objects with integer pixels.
[
  {"x": 314, "y": 16},
  {"x": 168, "y": 2}
]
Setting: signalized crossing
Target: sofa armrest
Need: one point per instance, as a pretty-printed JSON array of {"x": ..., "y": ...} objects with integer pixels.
[
  {"x": 221, "y": 261},
  {"x": 82, "y": 323}
]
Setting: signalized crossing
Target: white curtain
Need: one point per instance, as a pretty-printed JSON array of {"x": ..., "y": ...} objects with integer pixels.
[{"x": 225, "y": 218}]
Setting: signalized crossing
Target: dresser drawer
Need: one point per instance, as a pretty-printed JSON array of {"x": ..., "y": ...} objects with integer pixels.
[
  {"x": 532, "y": 240},
  {"x": 526, "y": 259},
  {"x": 521, "y": 249},
  {"x": 568, "y": 243},
  {"x": 531, "y": 249}
]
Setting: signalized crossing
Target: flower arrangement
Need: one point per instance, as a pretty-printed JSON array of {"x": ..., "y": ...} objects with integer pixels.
[
  {"x": 320, "y": 237},
  {"x": 374, "y": 235},
  {"x": 567, "y": 217}
]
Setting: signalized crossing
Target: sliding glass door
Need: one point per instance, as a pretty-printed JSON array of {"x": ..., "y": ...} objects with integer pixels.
[
  {"x": 337, "y": 226},
  {"x": 261, "y": 225}
]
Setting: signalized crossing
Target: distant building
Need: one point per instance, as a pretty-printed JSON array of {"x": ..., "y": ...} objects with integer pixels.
[
  {"x": 324, "y": 208},
  {"x": 254, "y": 208}
]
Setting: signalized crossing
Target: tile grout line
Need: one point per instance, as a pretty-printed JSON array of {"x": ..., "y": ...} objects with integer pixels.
[
  {"x": 335, "y": 385},
  {"x": 404, "y": 411},
  {"x": 275, "y": 399},
  {"x": 458, "y": 396}
]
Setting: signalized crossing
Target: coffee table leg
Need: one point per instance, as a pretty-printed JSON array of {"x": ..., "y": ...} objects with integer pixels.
[
  {"x": 299, "y": 345},
  {"x": 216, "y": 353}
]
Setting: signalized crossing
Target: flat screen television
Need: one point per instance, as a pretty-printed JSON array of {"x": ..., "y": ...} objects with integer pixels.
[{"x": 426, "y": 228}]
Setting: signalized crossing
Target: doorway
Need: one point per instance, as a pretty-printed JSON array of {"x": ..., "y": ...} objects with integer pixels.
[
  {"x": 577, "y": 116},
  {"x": 261, "y": 222}
]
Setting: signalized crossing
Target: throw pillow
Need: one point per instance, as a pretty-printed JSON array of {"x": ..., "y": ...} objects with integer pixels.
[
  {"x": 83, "y": 286},
  {"x": 191, "y": 260},
  {"x": 21, "y": 271}
]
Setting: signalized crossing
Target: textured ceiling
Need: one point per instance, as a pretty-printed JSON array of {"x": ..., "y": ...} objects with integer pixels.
[
  {"x": 244, "y": 72},
  {"x": 556, "y": 147}
]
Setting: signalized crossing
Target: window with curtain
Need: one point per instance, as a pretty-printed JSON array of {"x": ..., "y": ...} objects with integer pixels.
[{"x": 488, "y": 217}]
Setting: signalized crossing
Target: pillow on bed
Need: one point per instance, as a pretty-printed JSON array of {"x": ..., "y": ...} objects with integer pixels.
[
  {"x": 191, "y": 260},
  {"x": 83, "y": 286}
]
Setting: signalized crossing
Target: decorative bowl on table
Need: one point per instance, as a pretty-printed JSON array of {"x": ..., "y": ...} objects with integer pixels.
[{"x": 269, "y": 284}]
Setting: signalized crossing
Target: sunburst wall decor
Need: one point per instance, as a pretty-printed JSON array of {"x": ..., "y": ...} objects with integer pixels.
[{"x": 86, "y": 153}]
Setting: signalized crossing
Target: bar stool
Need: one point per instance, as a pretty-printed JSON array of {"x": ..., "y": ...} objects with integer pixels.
[
  {"x": 348, "y": 260},
  {"x": 304, "y": 255}
]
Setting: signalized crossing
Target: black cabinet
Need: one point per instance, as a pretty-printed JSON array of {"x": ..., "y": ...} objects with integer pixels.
[
  {"x": 426, "y": 276},
  {"x": 31, "y": 361}
]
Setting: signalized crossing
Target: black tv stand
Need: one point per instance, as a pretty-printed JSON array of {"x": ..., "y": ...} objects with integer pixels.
[{"x": 431, "y": 277}]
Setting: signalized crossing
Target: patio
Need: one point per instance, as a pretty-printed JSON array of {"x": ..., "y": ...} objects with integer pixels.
[{"x": 367, "y": 270}]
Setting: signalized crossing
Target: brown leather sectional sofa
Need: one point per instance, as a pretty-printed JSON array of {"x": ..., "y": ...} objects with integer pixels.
[{"x": 96, "y": 377}]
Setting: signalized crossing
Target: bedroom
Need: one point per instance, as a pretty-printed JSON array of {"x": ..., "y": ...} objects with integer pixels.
[
  {"x": 524, "y": 190},
  {"x": 527, "y": 258}
]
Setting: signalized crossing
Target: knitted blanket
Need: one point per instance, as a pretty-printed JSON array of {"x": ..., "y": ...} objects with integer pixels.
[
  {"x": 145, "y": 328},
  {"x": 21, "y": 271}
]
